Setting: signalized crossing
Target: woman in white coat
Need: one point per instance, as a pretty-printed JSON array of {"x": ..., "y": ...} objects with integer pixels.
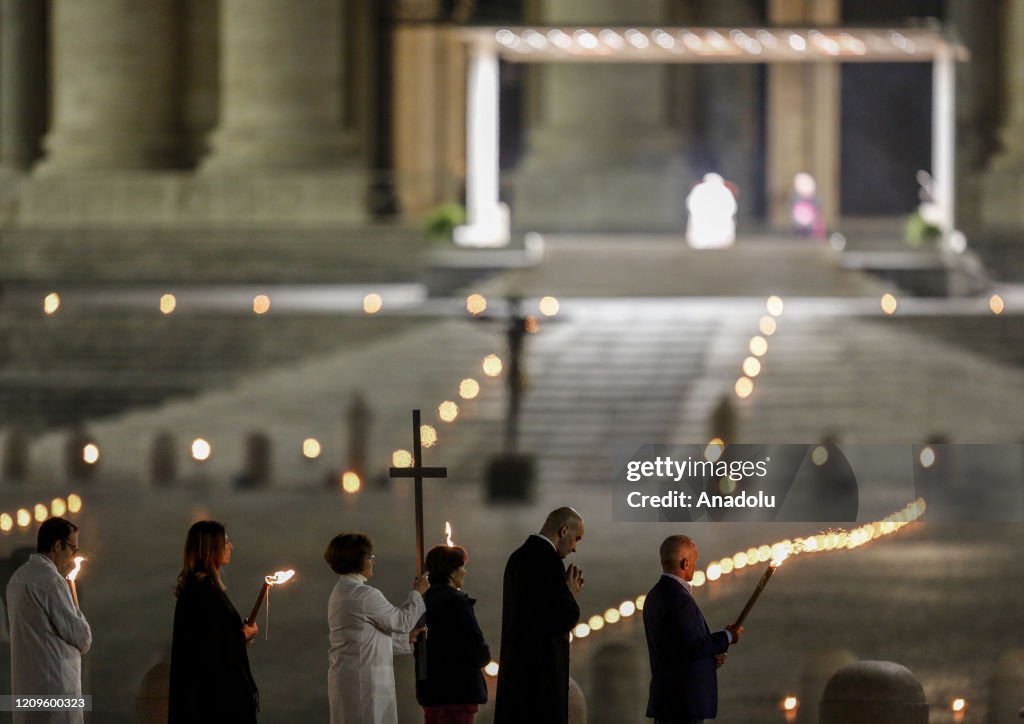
[{"x": 366, "y": 631}]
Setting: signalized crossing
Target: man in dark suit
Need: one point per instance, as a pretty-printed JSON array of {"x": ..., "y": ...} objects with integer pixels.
[
  {"x": 684, "y": 653},
  {"x": 538, "y": 612}
]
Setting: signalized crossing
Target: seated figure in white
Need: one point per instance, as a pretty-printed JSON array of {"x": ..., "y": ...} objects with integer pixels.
[{"x": 712, "y": 214}]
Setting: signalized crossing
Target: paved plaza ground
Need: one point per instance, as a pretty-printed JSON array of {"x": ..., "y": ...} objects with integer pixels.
[{"x": 643, "y": 348}]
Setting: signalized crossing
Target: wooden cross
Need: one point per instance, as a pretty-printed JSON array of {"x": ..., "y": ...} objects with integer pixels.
[{"x": 417, "y": 472}]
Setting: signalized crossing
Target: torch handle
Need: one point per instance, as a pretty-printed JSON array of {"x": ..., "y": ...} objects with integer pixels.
[
  {"x": 74, "y": 593},
  {"x": 259, "y": 604},
  {"x": 754, "y": 596}
]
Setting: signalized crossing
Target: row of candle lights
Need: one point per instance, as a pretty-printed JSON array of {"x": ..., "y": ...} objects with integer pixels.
[{"x": 24, "y": 517}]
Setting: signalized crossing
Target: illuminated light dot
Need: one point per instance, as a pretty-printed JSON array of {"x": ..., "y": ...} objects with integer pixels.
[
  {"x": 532, "y": 325},
  {"x": 469, "y": 388},
  {"x": 476, "y": 304},
  {"x": 790, "y": 703},
  {"x": 91, "y": 454},
  {"x": 889, "y": 303},
  {"x": 492, "y": 365},
  {"x": 58, "y": 507},
  {"x": 168, "y": 303},
  {"x": 744, "y": 387},
  {"x": 428, "y": 435},
  {"x": 714, "y": 449},
  {"x": 373, "y": 303},
  {"x": 627, "y": 609},
  {"x": 51, "y": 303},
  {"x": 448, "y": 411},
  {"x": 350, "y": 482},
  {"x": 751, "y": 366},
  {"x": 726, "y": 486},
  {"x": 820, "y": 455},
  {"x": 581, "y": 631},
  {"x": 612, "y": 615},
  {"x": 261, "y": 304},
  {"x": 774, "y": 305},
  {"x": 40, "y": 512},
  {"x": 958, "y": 704},
  {"x": 596, "y": 623},
  {"x": 767, "y": 325},
  {"x": 726, "y": 566},
  {"x": 740, "y": 560},
  {"x": 549, "y": 306},
  {"x": 201, "y": 449},
  {"x": 758, "y": 346},
  {"x": 6, "y": 522},
  {"x": 781, "y": 549},
  {"x": 764, "y": 553},
  {"x": 996, "y": 304},
  {"x": 640, "y": 600},
  {"x": 401, "y": 459},
  {"x": 74, "y": 503},
  {"x": 810, "y": 544},
  {"x": 927, "y": 457},
  {"x": 24, "y": 518},
  {"x": 491, "y": 669},
  {"x": 752, "y": 555},
  {"x": 311, "y": 448},
  {"x": 699, "y": 579},
  {"x": 714, "y": 572}
]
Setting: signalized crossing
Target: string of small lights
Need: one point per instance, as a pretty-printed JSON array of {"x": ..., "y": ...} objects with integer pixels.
[{"x": 24, "y": 517}]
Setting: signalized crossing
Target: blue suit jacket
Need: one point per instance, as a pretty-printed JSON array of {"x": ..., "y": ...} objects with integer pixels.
[{"x": 684, "y": 684}]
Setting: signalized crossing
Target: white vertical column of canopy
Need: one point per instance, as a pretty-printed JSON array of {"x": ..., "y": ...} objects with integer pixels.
[
  {"x": 944, "y": 135},
  {"x": 487, "y": 219}
]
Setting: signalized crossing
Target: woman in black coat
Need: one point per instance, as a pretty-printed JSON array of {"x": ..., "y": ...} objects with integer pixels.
[
  {"x": 456, "y": 651},
  {"x": 210, "y": 676}
]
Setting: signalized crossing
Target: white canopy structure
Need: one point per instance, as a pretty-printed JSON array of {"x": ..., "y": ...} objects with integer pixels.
[{"x": 488, "y": 219}]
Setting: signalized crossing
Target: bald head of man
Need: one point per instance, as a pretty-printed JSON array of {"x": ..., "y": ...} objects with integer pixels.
[
  {"x": 564, "y": 528},
  {"x": 679, "y": 556}
]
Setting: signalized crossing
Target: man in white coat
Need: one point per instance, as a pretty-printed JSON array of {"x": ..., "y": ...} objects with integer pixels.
[
  {"x": 366, "y": 631},
  {"x": 712, "y": 220},
  {"x": 49, "y": 633}
]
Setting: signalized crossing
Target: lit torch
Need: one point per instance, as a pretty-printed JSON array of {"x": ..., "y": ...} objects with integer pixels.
[
  {"x": 772, "y": 566},
  {"x": 275, "y": 580},
  {"x": 448, "y": 534},
  {"x": 73, "y": 575}
]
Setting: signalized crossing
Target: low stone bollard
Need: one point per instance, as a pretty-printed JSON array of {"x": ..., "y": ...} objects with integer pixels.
[
  {"x": 616, "y": 684},
  {"x": 577, "y": 704},
  {"x": 151, "y": 702},
  {"x": 163, "y": 463},
  {"x": 76, "y": 466},
  {"x": 1006, "y": 692},
  {"x": 358, "y": 420},
  {"x": 16, "y": 454},
  {"x": 256, "y": 470},
  {"x": 724, "y": 422},
  {"x": 880, "y": 692},
  {"x": 819, "y": 666}
]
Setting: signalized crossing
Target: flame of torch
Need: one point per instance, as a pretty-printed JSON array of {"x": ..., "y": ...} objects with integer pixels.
[
  {"x": 77, "y": 569},
  {"x": 275, "y": 580},
  {"x": 772, "y": 567},
  {"x": 448, "y": 534}
]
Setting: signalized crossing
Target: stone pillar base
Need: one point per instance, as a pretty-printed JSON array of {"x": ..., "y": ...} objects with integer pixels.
[
  {"x": 1002, "y": 188},
  {"x": 177, "y": 199},
  {"x": 240, "y": 150}
]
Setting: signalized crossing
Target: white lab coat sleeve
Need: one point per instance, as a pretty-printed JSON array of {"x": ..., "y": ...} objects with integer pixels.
[
  {"x": 394, "y": 620},
  {"x": 68, "y": 621}
]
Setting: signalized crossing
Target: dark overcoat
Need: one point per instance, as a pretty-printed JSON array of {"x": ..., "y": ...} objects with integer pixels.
[
  {"x": 210, "y": 676},
  {"x": 538, "y": 612},
  {"x": 456, "y": 650}
]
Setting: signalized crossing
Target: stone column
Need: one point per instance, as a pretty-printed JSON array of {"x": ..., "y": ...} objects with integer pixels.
[
  {"x": 727, "y": 101},
  {"x": 116, "y": 86},
  {"x": 22, "y": 82},
  {"x": 803, "y": 116},
  {"x": 281, "y": 86},
  {"x": 603, "y": 155},
  {"x": 1003, "y": 185}
]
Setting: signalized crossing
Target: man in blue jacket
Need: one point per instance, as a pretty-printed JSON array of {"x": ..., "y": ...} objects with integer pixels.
[{"x": 684, "y": 653}]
